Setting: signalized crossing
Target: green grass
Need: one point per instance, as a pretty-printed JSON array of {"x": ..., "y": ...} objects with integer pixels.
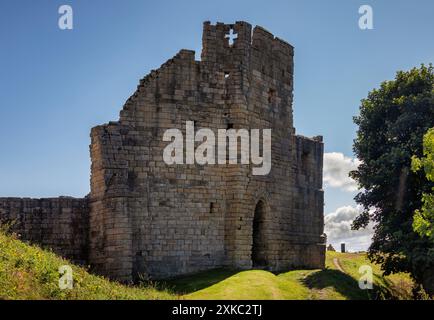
[
  {"x": 263, "y": 285},
  {"x": 329, "y": 283},
  {"x": 395, "y": 286},
  {"x": 227, "y": 284},
  {"x": 29, "y": 272}
]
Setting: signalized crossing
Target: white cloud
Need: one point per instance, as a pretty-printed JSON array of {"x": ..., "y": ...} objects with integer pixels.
[
  {"x": 338, "y": 229},
  {"x": 336, "y": 169}
]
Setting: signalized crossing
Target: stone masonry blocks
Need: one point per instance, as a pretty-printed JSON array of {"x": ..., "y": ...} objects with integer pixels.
[{"x": 146, "y": 218}]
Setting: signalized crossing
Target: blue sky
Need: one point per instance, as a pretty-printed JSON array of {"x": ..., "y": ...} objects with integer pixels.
[{"x": 55, "y": 84}]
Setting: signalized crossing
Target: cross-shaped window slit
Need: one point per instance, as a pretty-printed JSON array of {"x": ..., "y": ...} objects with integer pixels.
[{"x": 231, "y": 36}]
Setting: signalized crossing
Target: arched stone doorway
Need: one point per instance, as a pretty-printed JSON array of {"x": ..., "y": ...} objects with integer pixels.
[{"x": 259, "y": 245}]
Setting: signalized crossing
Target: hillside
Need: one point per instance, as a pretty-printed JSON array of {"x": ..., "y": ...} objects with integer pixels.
[
  {"x": 330, "y": 283},
  {"x": 28, "y": 272}
]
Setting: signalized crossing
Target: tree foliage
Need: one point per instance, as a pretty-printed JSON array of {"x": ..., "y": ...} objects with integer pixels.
[
  {"x": 391, "y": 125},
  {"x": 423, "y": 221}
]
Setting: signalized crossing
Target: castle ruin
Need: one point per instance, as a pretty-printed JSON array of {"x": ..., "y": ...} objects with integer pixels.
[{"x": 143, "y": 216}]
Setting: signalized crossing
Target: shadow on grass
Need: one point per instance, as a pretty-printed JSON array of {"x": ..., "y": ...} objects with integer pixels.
[
  {"x": 198, "y": 281},
  {"x": 344, "y": 284},
  {"x": 341, "y": 282}
]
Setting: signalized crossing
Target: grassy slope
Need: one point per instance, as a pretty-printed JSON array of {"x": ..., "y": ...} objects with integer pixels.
[
  {"x": 297, "y": 284},
  {"x": 397, "y": 285},
  {"x": 28, "y": 272}
]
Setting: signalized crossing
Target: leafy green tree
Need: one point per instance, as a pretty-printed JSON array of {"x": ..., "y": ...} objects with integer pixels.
[
  {"x": 391, "y": 125},
  {"x": 423, "y": 221}
]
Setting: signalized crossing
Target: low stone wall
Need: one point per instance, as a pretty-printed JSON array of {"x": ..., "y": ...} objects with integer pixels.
[{"x": 61, "y": 224}]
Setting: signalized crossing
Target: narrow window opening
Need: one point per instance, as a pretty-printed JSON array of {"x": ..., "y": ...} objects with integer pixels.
[
  {"x": 304, "y": 161},
  {"x": 259, "y": 245},
  {"x": 231, "y": 36},
  {"x": 271, "y": 96}
]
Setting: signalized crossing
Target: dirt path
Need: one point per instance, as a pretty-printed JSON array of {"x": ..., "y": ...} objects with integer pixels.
[{"x": 338, "y": 265}]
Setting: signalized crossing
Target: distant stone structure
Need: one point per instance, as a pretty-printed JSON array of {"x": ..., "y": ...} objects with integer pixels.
[
  {"x": 343, "y": 248},
  {"x": 330, "y": 248},
  {"x": 146, "y": 217}
]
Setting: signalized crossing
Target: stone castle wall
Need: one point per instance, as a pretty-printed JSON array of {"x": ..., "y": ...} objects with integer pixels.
[
  {"x": 144, "y": 217},
  {"x": 148, "y": 217},
  {"x": 61, "y": 224}
]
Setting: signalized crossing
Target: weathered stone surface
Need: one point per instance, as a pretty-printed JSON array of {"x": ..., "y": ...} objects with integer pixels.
[
  {"x": 61, "y": 224},
  {"x": 147, "y": 217}
]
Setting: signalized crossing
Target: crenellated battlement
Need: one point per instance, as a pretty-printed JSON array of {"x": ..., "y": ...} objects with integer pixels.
[{"x": 233, "y": 58}]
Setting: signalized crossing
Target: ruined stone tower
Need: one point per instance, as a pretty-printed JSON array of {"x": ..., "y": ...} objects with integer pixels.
[{"x": 146, "y": 217}]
